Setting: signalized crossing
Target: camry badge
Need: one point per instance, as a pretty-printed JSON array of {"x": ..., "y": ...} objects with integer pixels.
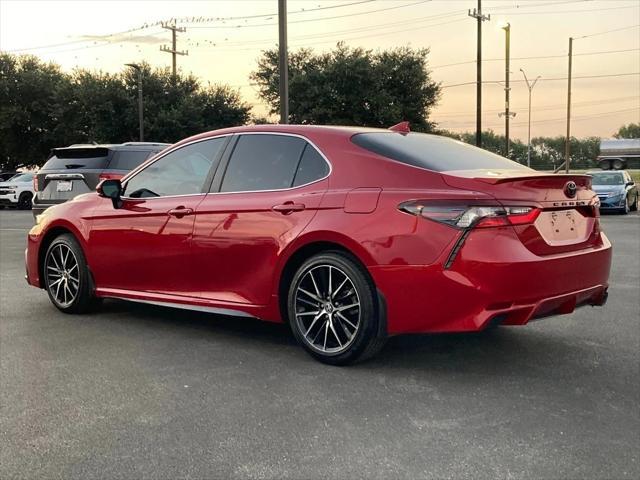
[{"x": 570, "y": 189}]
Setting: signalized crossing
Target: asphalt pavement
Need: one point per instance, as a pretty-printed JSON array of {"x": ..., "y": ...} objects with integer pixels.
[{"x": 136, "y": 391}]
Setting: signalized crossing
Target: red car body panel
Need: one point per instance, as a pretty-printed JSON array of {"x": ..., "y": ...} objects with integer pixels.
[{"x": 229, "y": 253}]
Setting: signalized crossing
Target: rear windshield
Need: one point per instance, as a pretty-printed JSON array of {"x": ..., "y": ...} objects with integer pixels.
[
  {"x": 129, "y": 159},
  {"x": 432, "y": 152},
  {"x": 75, "y": 158}
]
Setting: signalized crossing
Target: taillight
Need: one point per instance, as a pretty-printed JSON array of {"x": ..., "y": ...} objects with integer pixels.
[
  {"x": 467, "y": 216},
  {"x": 110, "y": 176},
  {"x": 35, "y": 183}
]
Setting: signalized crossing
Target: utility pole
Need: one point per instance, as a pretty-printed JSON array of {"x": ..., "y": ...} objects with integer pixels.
[
  {"x": 567, "y": 146},
  {"x": 283, "y": 61},
  {"x": 477, "y": 14},
  {"x": 173, "y": 50},
  {"x": 530, "y": 87},
  {"x": 138, "y": 69},
  {"x": 507, "y": 88}
]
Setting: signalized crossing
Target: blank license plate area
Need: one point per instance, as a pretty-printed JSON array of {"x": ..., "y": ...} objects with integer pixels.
[
  {"x": 64, "y": 186},
  {"x": 562, "y": 227}
]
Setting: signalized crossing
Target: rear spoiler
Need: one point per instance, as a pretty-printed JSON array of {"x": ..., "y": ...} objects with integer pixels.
[{"x": 498, "y": 180}]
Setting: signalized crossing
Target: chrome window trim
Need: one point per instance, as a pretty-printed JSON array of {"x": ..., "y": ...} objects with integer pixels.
[
  {"x": 284, "y": 134},
  {"x": 164, "y": 153}
]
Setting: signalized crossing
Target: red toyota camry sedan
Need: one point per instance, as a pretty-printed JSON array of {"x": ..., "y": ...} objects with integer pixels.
[{"x": 350, "y": 235}]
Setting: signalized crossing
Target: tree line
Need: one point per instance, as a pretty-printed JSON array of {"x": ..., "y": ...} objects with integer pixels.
[{"x": 42, "y": 107}]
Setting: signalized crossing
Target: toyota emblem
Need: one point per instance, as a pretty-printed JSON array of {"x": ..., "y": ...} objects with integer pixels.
[{"x": 570, "y": 189}]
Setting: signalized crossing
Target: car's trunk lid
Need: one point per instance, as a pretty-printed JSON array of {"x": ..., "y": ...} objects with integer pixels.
[{"x": 568, "y": 219}]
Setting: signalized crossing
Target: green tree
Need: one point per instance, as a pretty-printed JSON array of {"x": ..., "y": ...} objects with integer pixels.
[
  {"x": 628, "y": 131},
  {"x": 352, "y": 86},
  {"x": 33, "y": 97},
  {"x": 42, "y": 107}
]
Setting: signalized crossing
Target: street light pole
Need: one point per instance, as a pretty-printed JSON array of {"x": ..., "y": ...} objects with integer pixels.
[
  {"x": 138, "y": 69},
  {"x": 507, "y": 89},
  {"x": 567, "y": 147},
  {"x": 530, "y": 87}
]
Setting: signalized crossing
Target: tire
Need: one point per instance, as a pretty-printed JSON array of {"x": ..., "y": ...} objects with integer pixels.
[
  {"x": 627, "y": 208},
  {"x": 317, "y": 319},
  {"x": 617, "y": 164},
  {"x": 25, "y": 201},
  {"x": 70, "y": 287}
]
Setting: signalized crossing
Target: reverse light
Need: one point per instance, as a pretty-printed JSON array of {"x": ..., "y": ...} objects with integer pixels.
[{"x": 466, "y": 216}]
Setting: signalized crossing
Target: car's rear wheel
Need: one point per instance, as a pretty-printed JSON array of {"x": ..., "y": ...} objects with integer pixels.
[
  {"x": 333, "y": 311},
  {"x": 24, "y": 201},
  {"x": 66, "y": 276}
]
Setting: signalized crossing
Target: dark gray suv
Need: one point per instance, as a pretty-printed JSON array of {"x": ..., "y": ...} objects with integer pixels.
[{"x": 77, "y": 169}]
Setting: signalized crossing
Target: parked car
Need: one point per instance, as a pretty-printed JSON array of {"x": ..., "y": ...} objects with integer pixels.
[
  {"x": 17, "y": 191},
  {"x": 78, "y": 169},
  {"x": 348, "y": 234},
  {"x": 616, "y": 190}
]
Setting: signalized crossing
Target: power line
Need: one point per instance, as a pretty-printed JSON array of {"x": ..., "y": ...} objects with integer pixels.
[
  {"x": 608, "y": 31},
  {"x": 544, "y": 79},
  {"x": 537, "y": 57},
  {"x": 547, "y": 107},
  {"x": 368, "y": 12},
  {"x": 556, "y": 12}
]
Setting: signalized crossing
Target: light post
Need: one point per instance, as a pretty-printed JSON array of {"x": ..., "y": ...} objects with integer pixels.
[
  {"x": 507, "y": 115},
  {"x": 530, "y": 87},
  {"x": 138, "y": 69}
]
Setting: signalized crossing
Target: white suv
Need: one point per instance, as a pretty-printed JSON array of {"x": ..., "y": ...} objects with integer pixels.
[{"x": 17, "y": 191}]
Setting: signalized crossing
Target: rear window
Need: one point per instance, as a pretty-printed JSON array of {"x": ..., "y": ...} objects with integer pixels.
[
  {"x": 77, "y": 158},
  {"x": 432, "y": 152},
  {"x": 129, "y": 159}
]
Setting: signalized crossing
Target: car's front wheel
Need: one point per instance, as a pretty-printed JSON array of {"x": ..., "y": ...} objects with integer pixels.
[
  {"x": 333, "y": 309},
  {"x": 25, "y": 200},
  {"x": 66, "y": 276}
]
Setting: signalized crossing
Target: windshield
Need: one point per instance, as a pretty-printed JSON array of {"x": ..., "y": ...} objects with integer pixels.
[
  {"x": 22, "y": 177},
  {"x": 432, "y": 152},
  {"x": 608, "y": 178}
]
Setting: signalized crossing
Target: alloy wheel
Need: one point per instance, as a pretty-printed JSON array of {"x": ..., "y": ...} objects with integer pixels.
[
  {"x": 62, "y": 274},
  {"x": 327, "y": 309}
]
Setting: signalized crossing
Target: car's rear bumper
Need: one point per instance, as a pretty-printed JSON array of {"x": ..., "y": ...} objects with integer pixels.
[{"x": 494, "y": 279}]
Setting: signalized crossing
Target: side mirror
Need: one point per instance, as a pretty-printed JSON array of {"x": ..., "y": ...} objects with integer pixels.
[
  {"x": 631, "y": 183},
  {"x": 112, "y": 189}
]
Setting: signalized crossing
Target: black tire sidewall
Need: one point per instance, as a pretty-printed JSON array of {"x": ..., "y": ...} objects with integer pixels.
[
  {"x": 368, "y": 306},
  {"x": 25, "y": 201},
  {"x": 85, "y": 290}
]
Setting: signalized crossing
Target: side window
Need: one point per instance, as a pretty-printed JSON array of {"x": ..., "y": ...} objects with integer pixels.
[
  {"x": 262, "y": 162},
  {"x": 181, "y": 172},
  {"x": 312, "y": 167}
]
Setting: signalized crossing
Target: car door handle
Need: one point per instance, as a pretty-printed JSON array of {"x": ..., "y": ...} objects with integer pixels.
[
  {"x": 288, "y": 207},
  {"x": 180, "y": 212}
]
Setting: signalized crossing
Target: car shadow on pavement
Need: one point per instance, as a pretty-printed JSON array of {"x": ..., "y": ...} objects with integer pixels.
[{"x": 497, "y": 350}]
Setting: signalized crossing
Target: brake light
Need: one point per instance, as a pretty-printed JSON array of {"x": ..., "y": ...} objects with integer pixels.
[
  {"x": 35, "y": 183},
  {"x": 466, "y": 216},
  {"x": 110, "y": 176}
]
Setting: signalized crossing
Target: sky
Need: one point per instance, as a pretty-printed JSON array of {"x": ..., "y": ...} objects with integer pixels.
[{"x": 224, "y": 39}]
